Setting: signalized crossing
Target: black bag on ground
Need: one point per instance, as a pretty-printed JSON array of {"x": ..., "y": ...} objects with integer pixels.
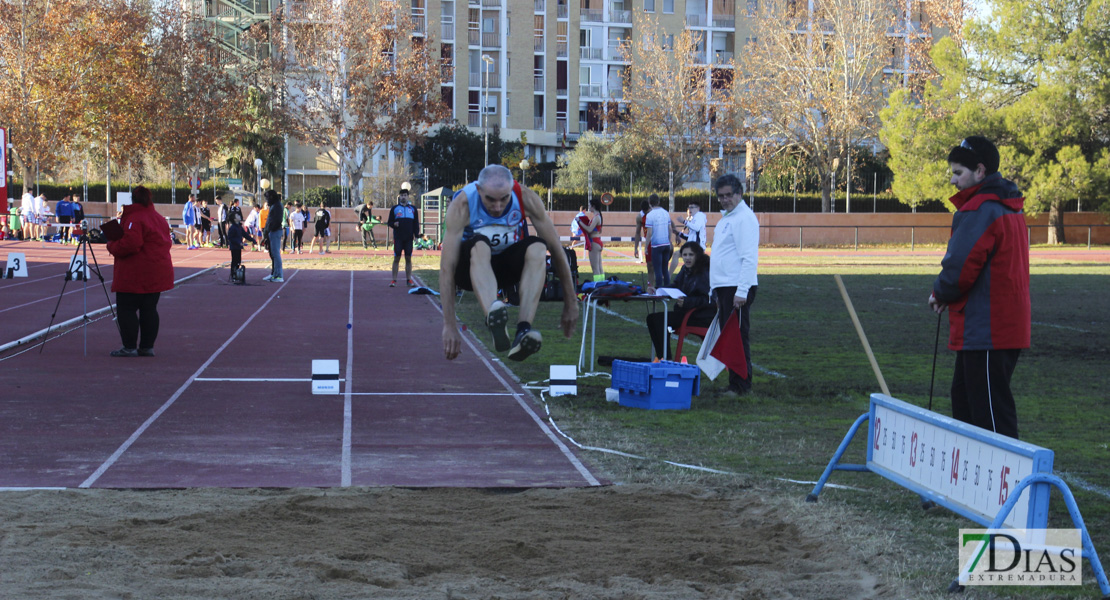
[{"x": 552, "y": 287}]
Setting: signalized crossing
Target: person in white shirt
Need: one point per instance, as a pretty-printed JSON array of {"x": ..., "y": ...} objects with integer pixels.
[
  {"x": 296, "y": 221},
  {"x": 657, "y": 226},
  {"x": 691, "y": 229},
  {"x": 30, "y": 217},
  {"x": 732, "y": 271},
  {"x": 252, "y": 226}
]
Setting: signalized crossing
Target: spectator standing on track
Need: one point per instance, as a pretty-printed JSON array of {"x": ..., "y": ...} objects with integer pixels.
[
  {"x": 27, "y": 205},
  {"x": 221, "y": 221},
  {"x": 638, "y": 239},
  {"x": 286, "y": 239},
  {"x": 235, "y": 209},
  {"x": 143, "y": 270},
  {"x": 296, "y": 222},
  {"x": 984, "y": 278},
  {"x": 486, "y": 246},
  {"x": 205, "y": 222},
  {"x": 63, "y": 213},
  {"x": 235, "y": 238},
  {"x": 323, "y": 230},
  {"x": 657, "y": 225},
  {"x": 274, "y": 228},
  {"x": 404, "y": 222},
  {"x": 733, "y": 270},
  {"x": 252, "y": 224},
  {"x": 189, "y": 222}
]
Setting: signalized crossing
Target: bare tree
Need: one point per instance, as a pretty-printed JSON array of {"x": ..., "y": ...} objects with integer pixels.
[
  {"x": 668, "y": 94},
  {"x": 352, "y": 79},
  {"x": 812, "y": 78}
]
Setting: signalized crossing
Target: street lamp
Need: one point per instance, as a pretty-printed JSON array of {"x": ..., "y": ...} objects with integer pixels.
[
  {"x": 524, "y": 164},
  {"x": 835, "y": 164},
  {"x": 485, "y": 105},
  {"x": 258, "y": 175}
]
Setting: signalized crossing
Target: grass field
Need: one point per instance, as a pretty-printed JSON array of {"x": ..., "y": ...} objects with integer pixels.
[{"x": 813, "y": 379}]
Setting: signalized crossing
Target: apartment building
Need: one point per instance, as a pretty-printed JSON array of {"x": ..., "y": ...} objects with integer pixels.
[{"x": 547, "y": 68}]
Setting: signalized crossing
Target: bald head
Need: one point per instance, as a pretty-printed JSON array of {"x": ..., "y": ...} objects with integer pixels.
[{"x": 495, "y": 186}]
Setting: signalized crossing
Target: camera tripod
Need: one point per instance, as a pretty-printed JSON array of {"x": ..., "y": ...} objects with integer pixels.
[{"x": 79, "y": 270}]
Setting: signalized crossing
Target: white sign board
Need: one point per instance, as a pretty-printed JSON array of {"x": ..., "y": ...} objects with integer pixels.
[
  {"x": 325, "y": 376},
  {"x": 122, "y": 199},
  {"x": 564, "y": 380},
  {"x": 965, "y": 468},
  {"x": 78, "y": 269},
  {"x": 17, "y": 265}
]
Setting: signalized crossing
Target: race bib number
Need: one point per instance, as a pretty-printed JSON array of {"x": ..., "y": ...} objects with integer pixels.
[{"x": 500, "y": 236}]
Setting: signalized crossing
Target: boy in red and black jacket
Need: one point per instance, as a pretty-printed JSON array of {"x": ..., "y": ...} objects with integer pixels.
[{"x": 984, "y": 281}]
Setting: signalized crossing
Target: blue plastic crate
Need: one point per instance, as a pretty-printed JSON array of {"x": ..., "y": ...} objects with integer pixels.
[{"x": 663, "y": 385}]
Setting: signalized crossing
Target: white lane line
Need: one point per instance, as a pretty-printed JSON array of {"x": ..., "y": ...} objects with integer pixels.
[
  {"x": 433, "y": 394},
  {"x": 107, "y": 282},
  {"x": 1061, "y": 327},
  {"x": 257, "y": 379},
  {"x": 582, "y": 470},
  {"x": 31, "y": 489},
  {"x": 345, "y": 462},
  {"x": 181, "y": 390}
]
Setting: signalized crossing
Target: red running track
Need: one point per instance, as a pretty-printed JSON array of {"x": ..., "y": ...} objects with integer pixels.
[{"x": 215, "y": 407}]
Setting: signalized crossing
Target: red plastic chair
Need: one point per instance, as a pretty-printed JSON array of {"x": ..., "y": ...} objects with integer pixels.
[{"x": 686, "y": 329}]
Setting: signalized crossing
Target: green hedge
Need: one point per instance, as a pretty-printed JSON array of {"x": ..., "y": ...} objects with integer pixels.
[{"x": 162, "y": 192}]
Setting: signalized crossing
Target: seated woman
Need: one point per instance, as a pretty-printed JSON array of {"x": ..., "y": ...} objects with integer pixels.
[{"x": 693, "y": 280}]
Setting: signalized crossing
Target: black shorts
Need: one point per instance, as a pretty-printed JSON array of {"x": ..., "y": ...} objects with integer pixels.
[
  {"x": 507, "y": 266},
  {"x": 399, "y": 246}
]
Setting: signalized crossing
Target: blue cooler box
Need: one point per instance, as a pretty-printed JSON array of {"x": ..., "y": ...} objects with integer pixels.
[{"x": 665, "y": 385}]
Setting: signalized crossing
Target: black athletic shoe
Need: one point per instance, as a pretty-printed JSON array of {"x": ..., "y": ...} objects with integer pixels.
[
  {"x": 526, "y": 344},
  {"x": 498, "y": 322},
  {"x": 125, "y": 352}
]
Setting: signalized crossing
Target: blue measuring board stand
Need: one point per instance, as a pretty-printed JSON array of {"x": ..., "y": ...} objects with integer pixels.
[{"x": 994, "y": 480}]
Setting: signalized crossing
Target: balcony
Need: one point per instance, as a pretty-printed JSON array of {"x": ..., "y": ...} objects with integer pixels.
[
  {"x": 620, "y": 16},
  {"x": 474, "y": 37},
  {"x": 478, "y": 79},
  {"x": 447, "y": 74},
  {"x": 491, "y": 40},
  {"x": 697, "y": 57},
  {"x": 728, "y": 21},
  {"x": 618, "y": 52},
  {"x": 491, "y": 3},
  {"x": 589, "y": 91},
  {"x": 561, "y": 49},
  {"x": 537, "y": 123},
  {"x": 447, "y": 32},
  {"x": 695, "y": 20},
  {"x": 561, "y": 91},
  {"x": 541, "y": 6},
  {"x": 588, "y": 53},
  {"x": 722, "y": 56},
  {"x": 537, "y": 83},
  {"x": 538, "y": 44},
  {"x": 583, "y": 126},
  {"x": 616, "y": 93},
  {"x": 591, "y": 14},
  {"x": 418, "y": 25},
  {"x": 474, "y": 119},
  {"x": 562, "y": 11},
  {"x": 560, "y": 126}
]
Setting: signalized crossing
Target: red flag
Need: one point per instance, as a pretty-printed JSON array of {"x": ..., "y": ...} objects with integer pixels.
[{"x": 729, "y": 348}]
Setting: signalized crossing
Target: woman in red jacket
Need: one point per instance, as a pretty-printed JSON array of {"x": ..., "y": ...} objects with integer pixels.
[{"x": 143, "y": 271}]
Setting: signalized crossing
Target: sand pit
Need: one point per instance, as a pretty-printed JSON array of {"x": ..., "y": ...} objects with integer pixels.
[{"x": 614, "y": 542}]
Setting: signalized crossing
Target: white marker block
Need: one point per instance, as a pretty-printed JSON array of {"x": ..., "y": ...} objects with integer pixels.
[
  {"x": 564, "y": 380},
  {"x": 325, "y": 377},
  {"x": 17, "y": 265}
]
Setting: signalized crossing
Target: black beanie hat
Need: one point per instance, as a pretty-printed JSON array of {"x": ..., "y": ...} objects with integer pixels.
[{"x": 976, "y": 150}]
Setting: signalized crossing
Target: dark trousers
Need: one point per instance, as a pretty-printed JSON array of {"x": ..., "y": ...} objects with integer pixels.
[
  {"x": 298, "y": 239},
  {"x": 222, "y": 229},
  {"x": 660, "y": 341},
  {"x": 981, "y": 390},
  {"x": 137, "y": 313},
  {"x": 236, "y": 258},
  {"x": 660, "y": 261},
  {"x": 724, "y": 298}
]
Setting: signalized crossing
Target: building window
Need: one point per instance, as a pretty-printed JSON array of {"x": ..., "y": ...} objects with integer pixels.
[
  {"x": 649, "y": 6},
  {"x": 668, "y": 7}
]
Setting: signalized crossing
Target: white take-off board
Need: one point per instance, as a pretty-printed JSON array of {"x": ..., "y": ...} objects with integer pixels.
[{"x": 967, "y": 469}]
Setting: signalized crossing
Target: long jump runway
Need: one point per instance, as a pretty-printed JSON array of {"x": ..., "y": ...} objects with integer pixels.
[{"x": 227, "y": 400}]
